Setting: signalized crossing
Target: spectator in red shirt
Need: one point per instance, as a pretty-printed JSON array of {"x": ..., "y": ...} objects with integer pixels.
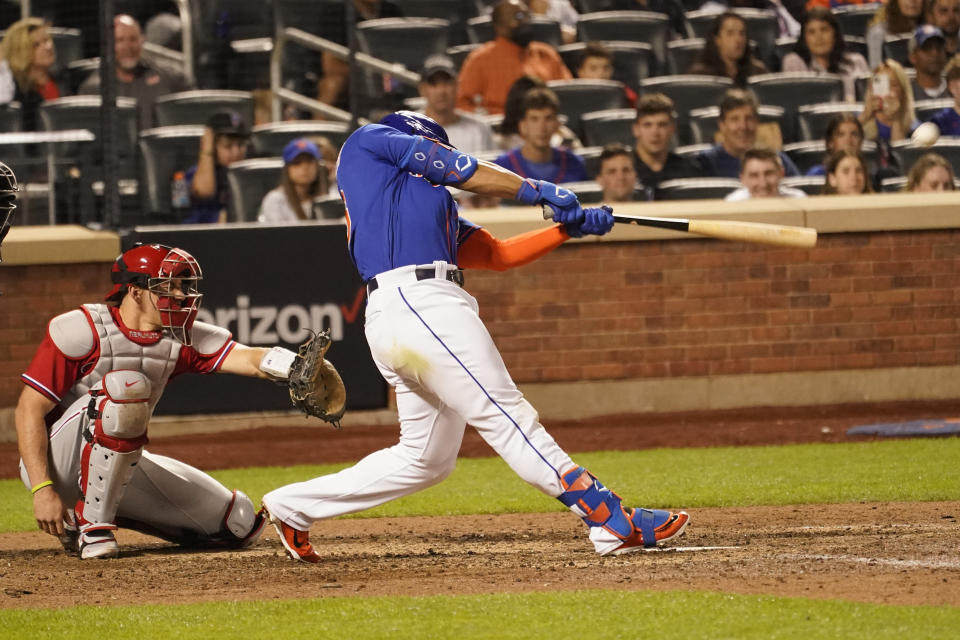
[{"x": 29, "y": 53}]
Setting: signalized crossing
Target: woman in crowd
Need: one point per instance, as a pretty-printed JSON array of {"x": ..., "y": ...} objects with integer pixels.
[
  {"x": 844, "y": 133},
  {"x": 727, "y": 52},
  {"x": 888, "y": 112},
  {"x": 820, "y": 48},
  {"x": 29, "y": 54},
  {"x": 846, "y": 174},
  {"x": 894, "y": 17},
  {"x": 304, "y": 179},
  {"x": 931, "y": 172}
]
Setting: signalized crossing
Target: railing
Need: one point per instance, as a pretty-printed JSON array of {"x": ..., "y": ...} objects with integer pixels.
[{"x": 281, "y": 94}]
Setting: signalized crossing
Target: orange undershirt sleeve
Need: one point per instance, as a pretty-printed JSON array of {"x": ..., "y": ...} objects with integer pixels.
[{"x": 483, "y": 251}]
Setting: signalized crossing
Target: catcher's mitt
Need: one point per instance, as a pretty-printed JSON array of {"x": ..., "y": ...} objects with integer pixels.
[{"x": 315, "y": 385}]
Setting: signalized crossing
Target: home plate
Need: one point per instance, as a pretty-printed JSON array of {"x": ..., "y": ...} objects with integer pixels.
[{"x": 679, "y": 549}]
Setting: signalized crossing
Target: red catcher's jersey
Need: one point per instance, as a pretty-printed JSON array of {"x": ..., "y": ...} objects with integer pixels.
[{"x": 58, "y": 376}]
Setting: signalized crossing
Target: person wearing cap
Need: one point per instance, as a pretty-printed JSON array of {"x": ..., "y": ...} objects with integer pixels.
[
  {"x": 224, "y": 142},
  {"x": 928, "y": 55},
  {"x": 304, "y": 179},
  {"x": 438, "y": 85}
]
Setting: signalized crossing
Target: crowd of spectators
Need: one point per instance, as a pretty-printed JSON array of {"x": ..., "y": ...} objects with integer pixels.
[{"x": 496, "y": 101}]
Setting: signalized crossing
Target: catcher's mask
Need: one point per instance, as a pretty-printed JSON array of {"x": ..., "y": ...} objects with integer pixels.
[
  {"x": 8, "y": 199},
  {"x": 417, "y": 124},
  {"x": 171, "y": 274}
]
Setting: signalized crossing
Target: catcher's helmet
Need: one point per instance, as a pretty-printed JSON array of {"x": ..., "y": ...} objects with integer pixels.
[
  {"x": 8, "y": 199},
  {"x": 416, "y": 124},
  {"x": 170, "y": 273}
]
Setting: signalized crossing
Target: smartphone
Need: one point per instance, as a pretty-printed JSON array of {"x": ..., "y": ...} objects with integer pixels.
[{"x": 880, "y": 85}]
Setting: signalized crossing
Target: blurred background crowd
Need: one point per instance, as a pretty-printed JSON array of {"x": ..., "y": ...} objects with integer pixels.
[{"x": 234, "y": 110}]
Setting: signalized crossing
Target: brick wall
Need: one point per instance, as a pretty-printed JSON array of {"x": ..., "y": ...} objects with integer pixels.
[
  {"x": 700, "y": 307},
  {"x": 621, "y": 310},
  {"x": 32, "y": 294}
]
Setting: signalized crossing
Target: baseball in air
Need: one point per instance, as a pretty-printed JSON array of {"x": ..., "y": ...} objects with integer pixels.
[{"x": 925, "y": 135}]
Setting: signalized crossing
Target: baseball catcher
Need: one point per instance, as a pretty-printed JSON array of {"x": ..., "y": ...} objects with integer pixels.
[{"x": 89, "y": 394}]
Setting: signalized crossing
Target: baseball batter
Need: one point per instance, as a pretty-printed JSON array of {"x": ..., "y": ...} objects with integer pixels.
[
  {"x": 90, "y": 391},
  {"x": 409, "y": 244}
]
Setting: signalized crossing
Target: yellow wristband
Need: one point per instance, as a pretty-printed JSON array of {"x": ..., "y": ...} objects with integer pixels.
[{"x": 45, "y": 483}]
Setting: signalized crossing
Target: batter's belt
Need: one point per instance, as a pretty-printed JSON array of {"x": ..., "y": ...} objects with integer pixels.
[{"x": 423, "y": 273}]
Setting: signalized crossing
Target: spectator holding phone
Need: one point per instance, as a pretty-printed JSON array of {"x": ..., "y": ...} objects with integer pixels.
[{"x": 888, "y": 112}]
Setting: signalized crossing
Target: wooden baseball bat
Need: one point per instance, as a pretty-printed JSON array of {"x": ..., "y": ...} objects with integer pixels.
[{"x": 758, "y": 232}]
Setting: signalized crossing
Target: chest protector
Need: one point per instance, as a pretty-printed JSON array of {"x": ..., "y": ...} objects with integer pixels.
[{"x": 71, "y": 333}]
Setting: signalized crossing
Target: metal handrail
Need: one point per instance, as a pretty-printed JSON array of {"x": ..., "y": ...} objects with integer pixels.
[
  {"x": 186, "y": 37},
  {"x": 316, "y": 43}
]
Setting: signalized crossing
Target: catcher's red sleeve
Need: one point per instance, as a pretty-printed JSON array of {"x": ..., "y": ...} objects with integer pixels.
[{"x": 481, "y": 250}]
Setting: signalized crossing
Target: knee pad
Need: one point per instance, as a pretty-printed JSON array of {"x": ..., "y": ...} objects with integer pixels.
[
  {"x": 114, "y": 436},
  {"x": 242, "y": 520},
  {"x": 120, "y": 406}
]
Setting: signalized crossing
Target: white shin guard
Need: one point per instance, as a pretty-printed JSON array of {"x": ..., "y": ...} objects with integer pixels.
[{"x": 114, "y": 437}]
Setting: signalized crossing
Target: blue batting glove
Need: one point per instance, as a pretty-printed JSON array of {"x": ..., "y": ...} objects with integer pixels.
[
  {"x": 566, "y": 208},
  {"x": 596, "y": 222}
]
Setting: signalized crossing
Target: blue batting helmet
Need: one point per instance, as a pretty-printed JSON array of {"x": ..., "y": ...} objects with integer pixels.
[{"x": 416, "y": 124}]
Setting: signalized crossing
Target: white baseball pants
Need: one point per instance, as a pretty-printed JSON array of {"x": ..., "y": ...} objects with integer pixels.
[{"x": 428, "y": 341}]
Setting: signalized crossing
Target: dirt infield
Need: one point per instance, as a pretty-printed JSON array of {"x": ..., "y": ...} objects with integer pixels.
[{"x": 883, "y": 553}]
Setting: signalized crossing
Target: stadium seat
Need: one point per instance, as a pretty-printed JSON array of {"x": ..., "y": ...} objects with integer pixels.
[
  {"x": 588, "y": 192},
  {"x": 591, "y": 158},
  {"x": 696, "y": 188},
  {"x": 893, "y": 184},
  {"x": 79, "y": 70},
  {"x": 855, "y": 44},
  {"x": 590, "y": 6},
  {"x": 480, "y": 30},
  {"x": 196, "y": 107},
  {"x": 790, "y": 90},
  {"x": 806, "y": 155},
  {"x": 83, "y": 112},
  {"x": 456, "y": 11},
  {"x": 703, "y": 122},
  {"x": 946, "y": 146},
  {"x": 10, "y": 117},
  {"x": 812, "y": 119},
  {"x": 853, "y": 19},
  {"x": 632, "y": 61},
  {"x": 407, "y": 41},
  {"x": 897, "y": 47},
  {"x": 68, "y": 44},
  {"x": 460, "y": 52},
  {"x": 688, "y": 92},
  {"x": 609, "y": 126},
  {"x": 632, "y": 26},
  {"x": 691, "y": 150},
  {"x": 681, "y": 54},
  {"x": 249, "y": 181},
  {"x": 812, "y": 185},
  {"x": 328, "y": 208},
  {"x": 163, "y": 152},
  {"x": 582, "y": 96},
  {"x": 269, "y": 139},
  {"x": 925, "y": 109}
]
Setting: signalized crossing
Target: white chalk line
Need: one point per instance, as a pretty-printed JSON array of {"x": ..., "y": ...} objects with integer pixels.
[
  {"x": 681, "y": 549},
  {"x": 887, "y": 562}
]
